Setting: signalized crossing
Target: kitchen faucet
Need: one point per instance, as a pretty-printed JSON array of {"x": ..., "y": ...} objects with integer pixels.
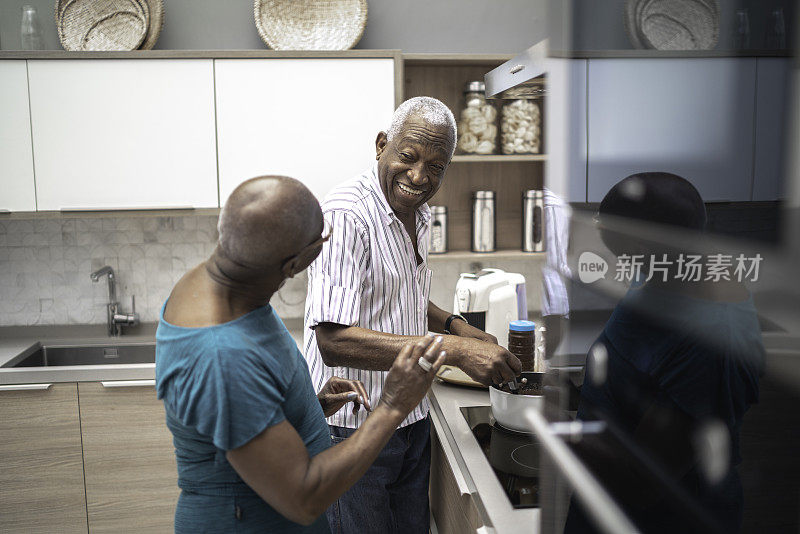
[{"x": 115, "y": 318}]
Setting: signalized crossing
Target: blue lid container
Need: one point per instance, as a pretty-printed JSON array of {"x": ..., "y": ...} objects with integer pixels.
[{"x": 522, "y": 326}]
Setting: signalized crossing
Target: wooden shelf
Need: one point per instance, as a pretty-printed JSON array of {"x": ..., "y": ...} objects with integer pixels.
[
  {"x": 497, "y": 158},
  {"x": 468, "y": 255},
  {"x": 491, "y": 60}
]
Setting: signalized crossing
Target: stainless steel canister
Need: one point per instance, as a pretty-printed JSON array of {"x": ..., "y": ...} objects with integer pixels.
[
  {"x": 483, "y": 221},
  {"x": 438, "y": 234},
  {"x": 533, "y": 221}
]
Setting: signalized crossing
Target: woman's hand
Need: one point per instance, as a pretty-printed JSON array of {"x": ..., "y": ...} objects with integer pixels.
[
  {"x": 408, "y": 381},
  {"x": 339, "y": 391}
]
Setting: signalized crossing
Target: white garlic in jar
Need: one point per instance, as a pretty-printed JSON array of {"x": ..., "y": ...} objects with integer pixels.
[{"x": 520, "y": 124}]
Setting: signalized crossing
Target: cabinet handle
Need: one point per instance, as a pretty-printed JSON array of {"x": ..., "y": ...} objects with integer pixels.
[
  {"x": 112, "y": 208},
  {"x": 26, "y": 387},
  {"x": 516, "y": 68},
  {"x": 128, "y": 383}
]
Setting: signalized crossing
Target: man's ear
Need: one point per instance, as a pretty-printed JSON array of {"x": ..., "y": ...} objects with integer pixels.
[{"x": 380, "y": 144}]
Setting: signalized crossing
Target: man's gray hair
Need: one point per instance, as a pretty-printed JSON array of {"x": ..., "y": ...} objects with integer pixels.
[{"x": 431, "y": 110}]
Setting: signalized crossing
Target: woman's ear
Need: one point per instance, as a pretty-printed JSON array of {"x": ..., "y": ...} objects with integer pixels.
[{"x": 289, "y": 269}]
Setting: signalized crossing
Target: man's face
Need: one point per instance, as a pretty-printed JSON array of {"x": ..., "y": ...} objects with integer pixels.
[{"x": 412, "y": 165}]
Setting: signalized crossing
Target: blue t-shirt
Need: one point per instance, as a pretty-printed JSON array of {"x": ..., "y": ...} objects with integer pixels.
[{"x": 222, "y": 386}]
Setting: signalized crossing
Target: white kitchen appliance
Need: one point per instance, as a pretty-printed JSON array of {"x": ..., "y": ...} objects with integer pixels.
[{"x": 490, "y": 299}]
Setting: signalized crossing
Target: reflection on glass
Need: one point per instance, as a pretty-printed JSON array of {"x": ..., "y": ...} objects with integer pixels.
[
  {"x": 741, "y": 39},
  {"x": 776, "y": 31},
  {"x": 672, "y": 373}
]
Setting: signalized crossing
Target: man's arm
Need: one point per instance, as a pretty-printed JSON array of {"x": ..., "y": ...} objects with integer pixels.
[
  {"x": 437, "y": 318},
  {"x": 360, "y": 348},
  {"x": 276, "y": 463}
]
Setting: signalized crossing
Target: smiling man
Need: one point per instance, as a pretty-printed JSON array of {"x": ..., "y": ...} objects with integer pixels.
[{"x": 368, "y": 296}]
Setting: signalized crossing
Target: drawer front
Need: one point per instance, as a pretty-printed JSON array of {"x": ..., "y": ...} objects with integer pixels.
[
  {"x": 41, "y": 479},
  {"x": 131, "y": 478}
]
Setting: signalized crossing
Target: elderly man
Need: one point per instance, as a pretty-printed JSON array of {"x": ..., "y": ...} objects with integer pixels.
[
  {"x": 253, "y": 451},
  {"x": 368, "y": 295}
]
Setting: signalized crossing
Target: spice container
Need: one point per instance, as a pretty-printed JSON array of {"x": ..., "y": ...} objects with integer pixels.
[
  {"x": 533, "y": 221},
  {"x": 522, "y": 341},
  {"x": 483, "y": 221},
  {"x": 521, "y": 126},
  {"x": 438, "y": 235},
  {"x": 477, "y": 131}
]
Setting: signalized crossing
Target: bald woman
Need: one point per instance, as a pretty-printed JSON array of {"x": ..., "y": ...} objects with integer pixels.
[{"x": 253, "y": 449}]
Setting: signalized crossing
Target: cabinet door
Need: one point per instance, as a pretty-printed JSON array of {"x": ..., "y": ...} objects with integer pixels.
[
  {"x": 773, "y": 108},
  {"x": 565, "y": 173},
  {"x": 131, "y": 478},
  {"x": 691, "y": 117},
  {"x": 312, "y": 119},
  {"x": 111, "y": 134},
  {"x": 452, "y": 509},
  {"x": 16, "y": 159},
  {"x": 41, "y": 478}
]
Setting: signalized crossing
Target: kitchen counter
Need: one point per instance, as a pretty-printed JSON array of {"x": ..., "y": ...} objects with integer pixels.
[{"x": 472, "y": 470}]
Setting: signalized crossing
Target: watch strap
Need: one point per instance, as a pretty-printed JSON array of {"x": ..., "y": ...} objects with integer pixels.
[{"x": 450, "y": 320}]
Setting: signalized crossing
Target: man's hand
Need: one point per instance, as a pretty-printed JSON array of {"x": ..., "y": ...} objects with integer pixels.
[
  {"x": 339, "y": 391},
  {"x": 487, "y": 363},
  {"x": 464, "y": 329}
]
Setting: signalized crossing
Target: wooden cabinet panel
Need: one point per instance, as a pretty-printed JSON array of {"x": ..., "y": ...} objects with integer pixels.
[
  {"x": 118, "y": 133},
  {"x": 453, "y": 512},
  {"x": 16, "y": 169},
  {"x": 312, "y": 119},
  {"x": 773, "y": 110},
  {"x": 131, "y": 478},
  {"x": 41, "y": 478},
  {"x": 692, "y": 117}
]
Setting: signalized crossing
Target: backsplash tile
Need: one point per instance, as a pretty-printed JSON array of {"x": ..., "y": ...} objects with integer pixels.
[{"x": 45, "y": 266}]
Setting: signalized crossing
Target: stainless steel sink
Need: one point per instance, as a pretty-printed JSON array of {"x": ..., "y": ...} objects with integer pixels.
[{"x": 64, "y": 355}]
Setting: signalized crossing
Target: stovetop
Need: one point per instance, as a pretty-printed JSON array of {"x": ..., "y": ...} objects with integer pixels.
[{"x": 514, "y": 456}]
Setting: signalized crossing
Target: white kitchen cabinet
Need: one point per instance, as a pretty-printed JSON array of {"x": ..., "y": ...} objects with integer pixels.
[
  {"x": 691, "y": 117},
  {"x": 565, "y": 122},
  {"x": 16, "y": 160},
  {"x": 110, "y": 134},
  {"x": 773, "y": 104},
  {"x": 129, "y": 459},
  {"x": 41, "y": 472},
  {"x": 312, "y": 119}
]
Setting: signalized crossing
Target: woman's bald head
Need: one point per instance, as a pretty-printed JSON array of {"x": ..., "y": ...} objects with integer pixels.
[{"x": 267, "y": 220}]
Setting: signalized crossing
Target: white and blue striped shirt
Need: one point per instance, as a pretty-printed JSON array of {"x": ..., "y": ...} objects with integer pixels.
[{"x": 367, "y": 276}]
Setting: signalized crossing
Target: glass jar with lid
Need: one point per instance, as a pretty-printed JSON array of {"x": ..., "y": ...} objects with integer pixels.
[
  {"x": 521, "y": 123},
  {"x": 477, "y": 128}
]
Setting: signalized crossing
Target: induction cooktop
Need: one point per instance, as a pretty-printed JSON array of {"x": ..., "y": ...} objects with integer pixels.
[{"x": 514, "y": 456}]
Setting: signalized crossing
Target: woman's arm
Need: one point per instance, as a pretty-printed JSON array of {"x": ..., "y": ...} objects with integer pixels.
[{"x": 276, "y": 463}]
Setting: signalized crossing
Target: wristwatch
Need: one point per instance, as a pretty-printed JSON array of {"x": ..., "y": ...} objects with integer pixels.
[{"x": 450, "y": 320}]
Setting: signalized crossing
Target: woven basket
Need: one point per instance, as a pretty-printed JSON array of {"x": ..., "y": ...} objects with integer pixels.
[
  {"x": 101, "y": 24},
  {"x": 310, "y": 24},
  {"x": 673, "y": 24},
  {"x": 156, "y": 23}
]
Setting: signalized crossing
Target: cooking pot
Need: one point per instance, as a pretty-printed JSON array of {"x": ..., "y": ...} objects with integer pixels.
[{"x": 510, "y": 409}]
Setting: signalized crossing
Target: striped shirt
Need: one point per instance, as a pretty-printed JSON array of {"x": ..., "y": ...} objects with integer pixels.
[
  {"x": 555, "y": 299},
  {"x": 367, "y": 276}
]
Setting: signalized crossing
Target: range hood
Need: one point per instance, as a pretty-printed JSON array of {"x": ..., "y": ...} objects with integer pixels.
[{"x": 521, "y": 76}]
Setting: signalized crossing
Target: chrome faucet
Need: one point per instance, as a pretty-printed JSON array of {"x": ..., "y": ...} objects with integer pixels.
[{"x": 115, "y": 318}]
